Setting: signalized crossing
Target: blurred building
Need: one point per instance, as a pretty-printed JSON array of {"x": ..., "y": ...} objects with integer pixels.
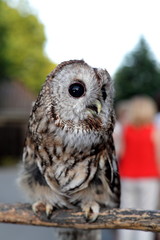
[{"x": 15, "y": 106}]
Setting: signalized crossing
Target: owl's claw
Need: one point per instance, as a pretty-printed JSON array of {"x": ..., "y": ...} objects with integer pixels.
[
  {"x": 40, "y": 207},
  {"x": 37, "y": 206},
  {"x": 49, "y": 210},
  {"x": 91, "y": 211}
]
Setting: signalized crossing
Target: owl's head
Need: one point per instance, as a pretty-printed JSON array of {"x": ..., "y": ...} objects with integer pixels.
[{"x": 80, "y": 95}]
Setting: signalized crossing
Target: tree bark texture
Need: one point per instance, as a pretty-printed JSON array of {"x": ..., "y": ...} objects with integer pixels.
[{"x": 108, "y": 219}]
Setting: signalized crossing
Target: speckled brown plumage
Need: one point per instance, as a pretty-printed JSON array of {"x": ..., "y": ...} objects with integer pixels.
[{"x": 69, "y": 156}]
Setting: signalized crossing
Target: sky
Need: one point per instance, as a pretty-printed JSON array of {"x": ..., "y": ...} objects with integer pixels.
[{"x": 101, "y": 32}]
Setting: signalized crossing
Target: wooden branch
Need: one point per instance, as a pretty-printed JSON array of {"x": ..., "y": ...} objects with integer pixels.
[{"x": 111, "y": 219}]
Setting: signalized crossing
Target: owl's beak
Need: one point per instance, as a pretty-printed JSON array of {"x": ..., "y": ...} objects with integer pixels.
[
  {"x": 99, "y": 106},
  {"x": 95, "y": 108}
]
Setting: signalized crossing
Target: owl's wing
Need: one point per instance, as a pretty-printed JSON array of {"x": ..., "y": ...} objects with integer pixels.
[
  {"x": 31, "y": 174},
  {"x": 111, "y": 172}
]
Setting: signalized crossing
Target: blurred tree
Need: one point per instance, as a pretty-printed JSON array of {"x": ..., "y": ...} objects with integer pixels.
[
  {"x": 22, "y": 42},
  {"x": 139, "y": 73}
]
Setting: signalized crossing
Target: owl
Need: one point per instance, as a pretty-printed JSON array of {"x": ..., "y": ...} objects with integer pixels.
[{"x": 69, "y": 156}]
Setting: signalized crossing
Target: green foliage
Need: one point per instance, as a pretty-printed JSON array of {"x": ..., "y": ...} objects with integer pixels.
[
  {"x": 21, "y": 48},
  {"x": 139, "y": 74}
]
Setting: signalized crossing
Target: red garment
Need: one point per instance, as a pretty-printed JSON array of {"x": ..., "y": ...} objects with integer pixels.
[{"x": 138, "y": 159}]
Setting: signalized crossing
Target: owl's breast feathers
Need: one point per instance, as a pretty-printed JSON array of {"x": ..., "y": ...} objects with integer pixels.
[{"x": 70, "y": 163}]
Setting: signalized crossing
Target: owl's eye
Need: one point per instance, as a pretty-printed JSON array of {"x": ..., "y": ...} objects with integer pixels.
[
  {"x": 77, "y": 90},
  {"x": 104, "y": 94}
]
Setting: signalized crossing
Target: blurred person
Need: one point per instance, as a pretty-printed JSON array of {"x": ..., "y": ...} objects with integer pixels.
[
  {"x": 121, "y": 116},
  {"x": 157, "y": 122},
  {"x": 157, "y": 117},
  {"x": 139, "y": 162}
]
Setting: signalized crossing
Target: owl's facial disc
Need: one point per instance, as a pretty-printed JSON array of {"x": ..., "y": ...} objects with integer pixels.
[{"x": 77, "y": 89}]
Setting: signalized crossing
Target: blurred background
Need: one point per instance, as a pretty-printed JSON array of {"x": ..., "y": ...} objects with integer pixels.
[{"x": 35, "y": 36}]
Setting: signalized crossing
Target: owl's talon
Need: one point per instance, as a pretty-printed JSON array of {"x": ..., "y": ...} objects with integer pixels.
[
  {"x": 37, "y": 207},
  {"x": 91, "y": 217},
  {"x": 87, "y": 213},
  {"x": 49, "y": 210},
  {"x": 41, "y": 207},
  {"x": 91, "y": 211}
]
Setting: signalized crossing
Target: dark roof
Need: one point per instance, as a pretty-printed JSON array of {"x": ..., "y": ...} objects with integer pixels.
[{"x": 15, "y": 100}]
